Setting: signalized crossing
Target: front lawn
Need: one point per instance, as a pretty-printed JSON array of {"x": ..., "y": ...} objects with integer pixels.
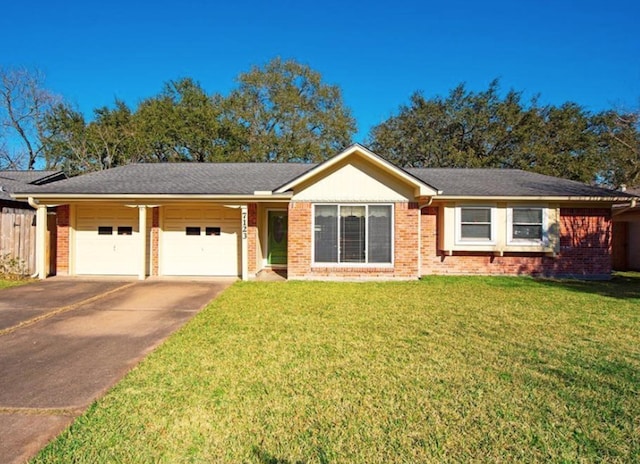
[
  {"x": 13, "y": 282},
  {"x": 446, "y": 369}
]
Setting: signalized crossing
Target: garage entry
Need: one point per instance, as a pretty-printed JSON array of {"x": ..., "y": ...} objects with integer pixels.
[
  {"x": 106, "y": 240},
  {"x": 200, "y": 241}
]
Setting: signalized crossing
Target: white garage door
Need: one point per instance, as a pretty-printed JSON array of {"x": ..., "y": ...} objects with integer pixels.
[
  {"x": 107, "y": 240},
  {"x": 200, "y": 241}
]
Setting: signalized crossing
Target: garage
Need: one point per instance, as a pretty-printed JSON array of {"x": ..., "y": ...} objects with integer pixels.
[
  {"x": 200, "y": 241},
  {"x": 106, "y": 240}
]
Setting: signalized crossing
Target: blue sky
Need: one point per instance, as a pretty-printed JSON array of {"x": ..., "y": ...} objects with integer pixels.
[{"x": 379, "y": 53}]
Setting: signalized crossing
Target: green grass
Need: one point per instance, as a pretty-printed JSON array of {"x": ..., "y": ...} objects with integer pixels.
[
  {"x": 13, "y": 282},
  {"x": 444, "y": 370}
]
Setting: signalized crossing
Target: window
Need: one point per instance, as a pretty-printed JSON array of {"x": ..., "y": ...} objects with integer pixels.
[
  {"x": 527, "y": 225},
  {"x": 193, "y": 231},
  {"x": 353, "y": 234},
  {"x": 125, "y": 230},
  {"x": 212, "y": 231},
  {"x": 475, "y": 224},
  {"x": 105, "y": 230}
]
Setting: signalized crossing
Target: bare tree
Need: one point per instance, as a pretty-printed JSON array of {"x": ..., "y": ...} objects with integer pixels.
[{"x": 23, "y": 105}]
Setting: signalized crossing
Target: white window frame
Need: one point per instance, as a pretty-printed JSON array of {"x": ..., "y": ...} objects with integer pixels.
[
  {"x": 338, "y": 263},
  {"x": 458, "y": 221},
  {"x": 525, "y": 242}
]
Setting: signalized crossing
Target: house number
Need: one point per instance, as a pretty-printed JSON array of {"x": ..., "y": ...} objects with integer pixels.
[{"x": 244, "y": 225}]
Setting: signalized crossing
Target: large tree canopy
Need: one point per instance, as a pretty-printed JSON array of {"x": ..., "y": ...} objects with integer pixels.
[
  {"x": 183, "y": 123},
  {"x": 281, "y": 112},
  {"x": 287, "y": 113},
  {"x": 485, "y": 129}
]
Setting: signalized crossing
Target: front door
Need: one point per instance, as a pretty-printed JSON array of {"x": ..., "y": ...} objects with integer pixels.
[{"x": 277, "y": 244}]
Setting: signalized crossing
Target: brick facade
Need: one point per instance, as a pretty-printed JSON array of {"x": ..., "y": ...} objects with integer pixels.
[
  {"x": 300, "y": 253},
  {"x": 62, "y": 246},
  {"x": 585, "y": 247},
  {"x": 585, "y": 250}
]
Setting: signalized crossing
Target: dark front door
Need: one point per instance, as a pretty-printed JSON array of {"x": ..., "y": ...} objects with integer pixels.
[{"x": 277, "y": 246}]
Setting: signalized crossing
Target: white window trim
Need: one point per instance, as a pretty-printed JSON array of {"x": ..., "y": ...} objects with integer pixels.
[
  {"x": 315, "y": 263},
  {"x": 525, "y": 242},
  {"x": 458, "y": 225}
]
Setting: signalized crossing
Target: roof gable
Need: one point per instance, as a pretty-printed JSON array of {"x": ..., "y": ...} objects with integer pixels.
[{"x": 420, "y": 188}]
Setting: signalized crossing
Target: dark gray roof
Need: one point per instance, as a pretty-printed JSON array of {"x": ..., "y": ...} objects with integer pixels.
[
  {"x": 246, "y": 178},
  {"x": 180, "y": 178},
  {"x": 29, "y": 177},
  {"x": 15, "y": 181},
  {"x": 505, "y": 183}
]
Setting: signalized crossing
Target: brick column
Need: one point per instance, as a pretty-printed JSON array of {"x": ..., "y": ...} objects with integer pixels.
[
  {"x": 62, "y": 248},
  {"x": 406, "y": 240},
  {"x": 299, "y": 239}
]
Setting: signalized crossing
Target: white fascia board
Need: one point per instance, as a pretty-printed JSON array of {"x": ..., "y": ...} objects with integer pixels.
[
  {"x": 421, "y": 189},
  {"x": 46, "y": 198},
  {"x": 532, "y": 198}
]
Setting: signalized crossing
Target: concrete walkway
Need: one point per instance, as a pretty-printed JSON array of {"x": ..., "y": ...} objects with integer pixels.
[{"x": 64, "y": 342}]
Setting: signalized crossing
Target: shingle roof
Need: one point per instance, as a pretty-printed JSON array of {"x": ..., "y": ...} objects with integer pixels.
[
  {"x": 505, "y": 183},
  {"x": 180, "y": 178},
  {"x": 246, "y": 178},
  {"x": 15, "y": 181}
]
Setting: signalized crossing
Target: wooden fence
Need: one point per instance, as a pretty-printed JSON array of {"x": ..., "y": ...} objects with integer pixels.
[{"x": 18, "y": 238}]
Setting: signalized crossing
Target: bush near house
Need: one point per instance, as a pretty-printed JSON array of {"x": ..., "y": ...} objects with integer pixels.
[
  {"x": 446, "y": 370},
  {"x": 12, "y": 268}
]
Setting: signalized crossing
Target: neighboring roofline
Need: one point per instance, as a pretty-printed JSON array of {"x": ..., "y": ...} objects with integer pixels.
[
  {"x": 50, "y": 178},
  {"x": 531, "y": 198},
  {"x": 422, "y": 188}
]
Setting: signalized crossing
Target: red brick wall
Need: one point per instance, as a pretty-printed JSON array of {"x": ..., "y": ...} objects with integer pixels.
[
  {"x": 405, "y": 247},
  {"x": 406, "y": 240},
  {"x": 62, "y": 245},
  {"x": 299, "y": 239},
  {"x": 155, "y": 241},
  {"x": 252, "y": 213},
  {"x": 585, "y": 249}
]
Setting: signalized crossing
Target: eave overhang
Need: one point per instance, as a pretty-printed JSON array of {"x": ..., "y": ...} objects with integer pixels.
[
  {"x": 133, "y": 198},
  {"x": 569, "y": 198}
]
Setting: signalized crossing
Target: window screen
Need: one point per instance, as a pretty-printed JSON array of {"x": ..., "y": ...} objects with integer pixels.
[
  {"x": 326, "y": 234},
  {"x": 352, "y": 234},
  {"x": 379, "y": 245},
  {"x": 527, "y": 224},
  {"x": 475, "y": 223}
]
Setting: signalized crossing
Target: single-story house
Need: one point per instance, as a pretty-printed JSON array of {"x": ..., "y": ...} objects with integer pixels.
[
  {"x": 17, "y": 218},
  {"x": 354, "y": 216}
]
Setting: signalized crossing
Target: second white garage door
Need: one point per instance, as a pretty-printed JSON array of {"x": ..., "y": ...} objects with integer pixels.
[{"x": 200, "y": 241}]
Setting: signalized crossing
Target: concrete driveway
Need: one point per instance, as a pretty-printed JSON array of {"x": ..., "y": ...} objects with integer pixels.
[{"x": 64, "y": 342}]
